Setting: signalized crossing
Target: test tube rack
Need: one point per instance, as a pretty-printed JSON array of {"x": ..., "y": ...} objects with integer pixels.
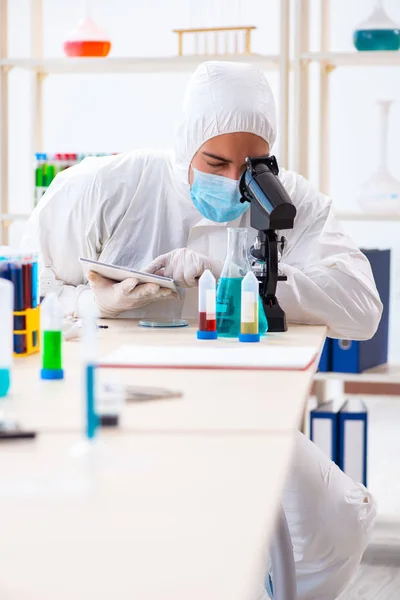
[{"x": 31, "y": 331}]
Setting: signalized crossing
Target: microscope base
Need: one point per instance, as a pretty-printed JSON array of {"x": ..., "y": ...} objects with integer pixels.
[{"x": 276, "y": 317}]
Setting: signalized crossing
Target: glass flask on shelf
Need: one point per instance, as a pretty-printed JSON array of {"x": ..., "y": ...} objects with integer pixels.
[
  {"x": 381, "y": 192},
  {"x": 229, "y": 287},
  {"x": 87, "y": 39},
  {"x": 378, "y": 32}
]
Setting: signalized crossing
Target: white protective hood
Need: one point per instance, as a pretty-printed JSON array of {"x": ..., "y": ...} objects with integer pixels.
[{"x": 223, "y": 97}]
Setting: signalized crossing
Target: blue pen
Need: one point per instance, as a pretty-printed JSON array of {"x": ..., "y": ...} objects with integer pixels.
[
  {"x": 92, "y": 420},
  {"x": 89, "y": 347},
  {"x": 35, "y": 291}
]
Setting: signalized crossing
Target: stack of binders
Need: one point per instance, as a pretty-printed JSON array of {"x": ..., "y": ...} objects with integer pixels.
[
  {"x": 349, "y": 356},
  {"x": 339, "y": 428}
]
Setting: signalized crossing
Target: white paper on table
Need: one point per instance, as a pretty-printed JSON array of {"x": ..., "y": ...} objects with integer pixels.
[{"x": 259, "y": 357}]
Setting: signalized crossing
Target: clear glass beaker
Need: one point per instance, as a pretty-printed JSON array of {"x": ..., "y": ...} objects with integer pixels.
[
  {"x": 378, "y": 32},
  {"x": 229, "y": 287}
]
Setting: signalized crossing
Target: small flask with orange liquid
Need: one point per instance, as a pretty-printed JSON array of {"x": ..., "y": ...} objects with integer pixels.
[{"x": 87, "y": 39}]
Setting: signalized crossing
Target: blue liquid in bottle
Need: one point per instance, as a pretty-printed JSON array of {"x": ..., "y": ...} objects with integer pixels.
[
  {"x": 229, "y": 293},
  {"x": 376, "y": 39},
  {"x": 4, "y": 382},
  {"x": 378, "y": 32}
]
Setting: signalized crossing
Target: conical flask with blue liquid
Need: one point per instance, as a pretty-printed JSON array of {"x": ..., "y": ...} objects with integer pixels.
[
  {"x": 229, "y": 287},
  {"x": 378, "y": 32}
]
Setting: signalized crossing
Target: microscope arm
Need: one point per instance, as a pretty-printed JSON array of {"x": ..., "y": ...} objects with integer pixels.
[{"x": 268, "y": 253}]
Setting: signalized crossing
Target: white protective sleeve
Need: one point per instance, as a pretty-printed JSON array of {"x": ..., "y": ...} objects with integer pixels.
[
  {"x": 67, "y": 224},
  {"x": 329, "y": 281}
]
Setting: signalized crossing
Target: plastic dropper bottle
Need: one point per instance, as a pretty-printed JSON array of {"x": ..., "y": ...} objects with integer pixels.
[
  {"x": 249, "y": 309},
  {"x": 207, "y": 307},
  {"x": 51, "y": 324},
  {"x": 6, "y": 334}
]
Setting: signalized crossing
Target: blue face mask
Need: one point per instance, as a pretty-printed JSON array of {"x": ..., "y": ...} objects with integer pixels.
[{"x": 217, "y": 198}]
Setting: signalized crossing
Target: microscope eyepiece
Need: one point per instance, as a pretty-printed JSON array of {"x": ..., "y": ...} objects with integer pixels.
[{"x": 271, "y": 206}]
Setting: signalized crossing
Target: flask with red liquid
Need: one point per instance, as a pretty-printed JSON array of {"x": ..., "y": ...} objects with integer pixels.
[
  {"x": 87, "y": 39},
  {"x": 207, "y": 307}
]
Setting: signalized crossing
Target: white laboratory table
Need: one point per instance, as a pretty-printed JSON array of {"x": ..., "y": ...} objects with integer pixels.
[
  {"x": 211, "y": 400},
  {"x": 145, "y": 517},
  {"x": 177, "y": 503}
]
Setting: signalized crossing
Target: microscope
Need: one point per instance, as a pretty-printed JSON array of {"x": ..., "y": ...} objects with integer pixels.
[{"x": 271, "y": 209}]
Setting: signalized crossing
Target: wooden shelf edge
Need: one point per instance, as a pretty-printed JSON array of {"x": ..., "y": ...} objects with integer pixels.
[
  {"x": 111, "y": 65},
  {"x": 388, "y": 374},
  {"x": 354, "y": 59}
]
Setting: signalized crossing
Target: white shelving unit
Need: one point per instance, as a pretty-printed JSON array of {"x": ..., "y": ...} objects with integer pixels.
[
  {"x": 328, "y": 61},
  {"x": 41, "y": 67},
  {"x": 343, "y": 216},
  {"x": 353, "y": 59},
  {"x": 359, "y": 216},
  {"x": 114, "y": 65}
]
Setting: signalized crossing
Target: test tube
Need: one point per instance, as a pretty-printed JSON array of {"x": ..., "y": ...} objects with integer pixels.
[
  {"x": 51, "y": 324},
  {"x": 35, "y": 291},
  {"x": 27, "y": 291},
  {"x": 249, "y": 309},
  {"x": 35, "y": 280},
  {"x": 6, "y": 334},
  {"x": 5, "y": 268},
  {"x": 19, "y": 321},
  {"x": 50, "y": 174},
  {"x": 207, "y": 307},
  {"x": 58, "y": 162},
  {"x": 38, "y": 177}
]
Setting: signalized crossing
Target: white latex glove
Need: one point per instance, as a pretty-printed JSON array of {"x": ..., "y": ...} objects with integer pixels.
[
  {"x": 113, "y": 298},
  {"x": 184, "y": 266}
]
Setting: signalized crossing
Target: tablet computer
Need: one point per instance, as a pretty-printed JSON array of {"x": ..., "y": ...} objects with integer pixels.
[{"x": 122, "y": 273}]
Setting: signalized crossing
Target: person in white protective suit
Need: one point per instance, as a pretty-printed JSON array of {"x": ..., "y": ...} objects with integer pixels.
[{"x": 168, "y": 212}]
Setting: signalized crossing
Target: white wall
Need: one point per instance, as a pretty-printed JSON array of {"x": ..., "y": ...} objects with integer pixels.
[{"x": 117, "y": 113}]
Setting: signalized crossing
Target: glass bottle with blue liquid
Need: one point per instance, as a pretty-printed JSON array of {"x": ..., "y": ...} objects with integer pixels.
[
  {"x": 6, "y": 334},
  {"x": 378, "y": 32},
  {"x": 229, "y": 287}
]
